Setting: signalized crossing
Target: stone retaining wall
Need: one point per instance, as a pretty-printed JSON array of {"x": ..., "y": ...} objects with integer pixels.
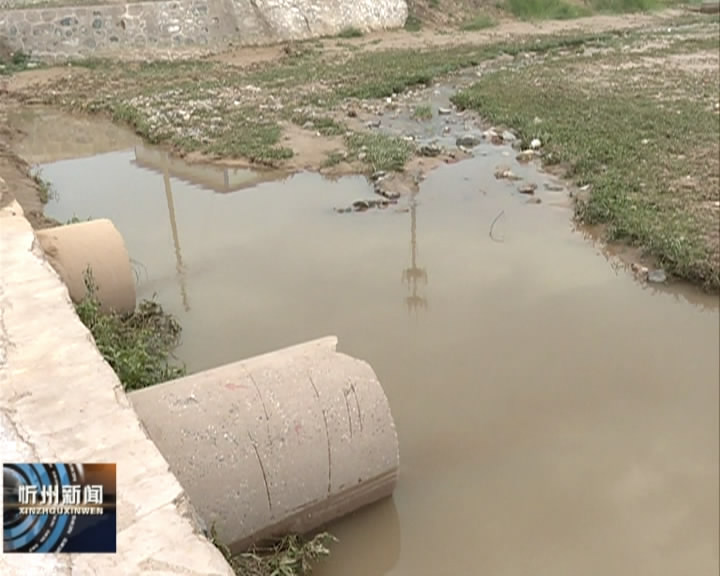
[{"x": 65, "y": 32}]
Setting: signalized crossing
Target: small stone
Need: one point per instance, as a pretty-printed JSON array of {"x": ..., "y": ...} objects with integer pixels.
[
  {"x": 527, "y": 189},
  {"x": 351, "y": 113},
  {"x": 554, "y": 187},
  {"x": 504, "y": 173},
  {"x": 386, "y": 193},
  {"x": 374, "y": 123},
  {"x": 360, "y": 205},
  {"x": 490, "y": 134},
  {"x": 362, "y": 156},
  {"x": 388, "y": 100},
  {"x": 430, "y": 150},
  {"x": 534, "y": 200},
  {"x": 525, "y": 156},
  {"x": 378, "y": 175},
  {"x": 508, "y": 137},
  {"x": 657, "y": 276},
  {"x": 468, "y": 141},
  {"x": 446, "y": 130},
  {"x": 640, "y": 271},
  {"x": 444, "y": 111},
  {"x": 309, "y": 125},
  {"x": 535, "y": 144}
]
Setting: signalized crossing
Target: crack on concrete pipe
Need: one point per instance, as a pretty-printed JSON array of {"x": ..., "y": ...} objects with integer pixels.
[
  {"x": 276, "y": 481},
  {"x": 262, "y": 469},
  {"x": 357, "y": 404},
  {"x": 327, "y": 435}
]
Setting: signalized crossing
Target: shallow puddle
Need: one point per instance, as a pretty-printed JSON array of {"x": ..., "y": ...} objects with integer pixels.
[{"x": 555, "y": 416}]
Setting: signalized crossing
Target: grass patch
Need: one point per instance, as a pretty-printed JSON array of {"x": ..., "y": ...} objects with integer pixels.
[
  {"x": 255, "y": 140},
  {"x": 383, "y": 73},
  {"x": 567, "y": 10},
  {"x": 137, "y": 346},
  {"x": 14, "y": 62},
  {"x": 91, "y": 63},
  {"x": 546, "y": 9},
  {"x": 127, "y": 114},
  {"x": 289, "y": 556},
  {"x": 627, "y": 6},
  {"x": 380, "y": 151},
  {"x": 333, "y": 159},
  {"x": 634, "y": 139},
  {"x": 322, "y": 124},
  {"x": 481, "y": 22},
  {"x": 423, "y": 112},
  {"x": 351, "y": 32},
  {"x": 44, "y": 188},
  {"x": 413, "y": 23}
]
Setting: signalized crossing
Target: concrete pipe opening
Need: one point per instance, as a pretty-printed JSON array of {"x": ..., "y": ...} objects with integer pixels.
[
  {"x": 281, "y": 443},
  {"x": 96, "y": 245}
]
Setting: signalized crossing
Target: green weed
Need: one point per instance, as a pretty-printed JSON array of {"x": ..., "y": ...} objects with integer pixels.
[
  {"x": 380, "y": 151},
  {"x": 288, "y": 556},
  {"x": 423, "y": 112},
  {"x": 481, "y": 22},
  {"x": 137, "y": 346},
  {"x": 351, "y": 32}
]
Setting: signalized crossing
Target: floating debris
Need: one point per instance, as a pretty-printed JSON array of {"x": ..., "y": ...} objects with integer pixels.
[{"x": 657, "y": 276}]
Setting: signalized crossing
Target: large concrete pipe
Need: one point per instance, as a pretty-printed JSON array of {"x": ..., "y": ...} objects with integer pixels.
[
  {"x": 283, "y": 442},
  {"x": 97, "y": 245}
]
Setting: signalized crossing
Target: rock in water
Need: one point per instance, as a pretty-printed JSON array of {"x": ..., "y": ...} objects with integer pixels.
[
  {"x": 430, "y": 150},
  {"x": 657, "y": 276},
  {"x": 468, "y": 141}
]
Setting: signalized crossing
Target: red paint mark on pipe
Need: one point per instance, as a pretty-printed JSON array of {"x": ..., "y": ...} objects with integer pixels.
[{"x": 233, "y": 386}]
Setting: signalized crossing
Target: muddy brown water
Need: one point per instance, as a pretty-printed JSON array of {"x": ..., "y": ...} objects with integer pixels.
[{"x": 556, "y": 417}]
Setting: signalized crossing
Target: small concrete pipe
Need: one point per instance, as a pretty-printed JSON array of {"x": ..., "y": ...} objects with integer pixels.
[
  {"x": 97, "y": 245},
  {"x": 281, "y": 443}
]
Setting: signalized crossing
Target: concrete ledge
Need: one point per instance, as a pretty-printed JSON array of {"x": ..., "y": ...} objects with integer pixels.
[{"x": 60, "y": 401}]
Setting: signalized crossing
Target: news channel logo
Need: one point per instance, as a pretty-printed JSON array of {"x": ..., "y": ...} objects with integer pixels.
[{"x": 52, "y": 508}]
